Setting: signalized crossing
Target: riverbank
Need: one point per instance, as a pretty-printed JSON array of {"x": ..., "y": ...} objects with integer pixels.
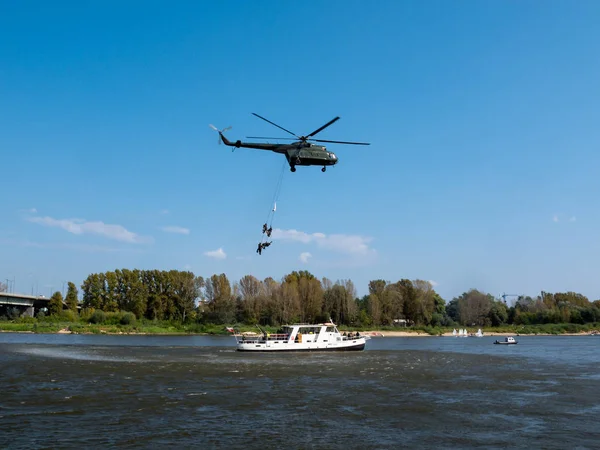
[
  {"x": 166, "y": 329},
  {"x": 449, "y": 334}
]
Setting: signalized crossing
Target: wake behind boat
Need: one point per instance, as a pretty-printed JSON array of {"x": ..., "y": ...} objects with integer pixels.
[{"x": 301, "y": 337}]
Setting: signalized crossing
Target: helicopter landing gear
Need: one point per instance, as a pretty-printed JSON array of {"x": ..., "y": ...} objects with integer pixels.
[
  {"x": 323, "y": 169},
  {"x": 292, "y": 168}
]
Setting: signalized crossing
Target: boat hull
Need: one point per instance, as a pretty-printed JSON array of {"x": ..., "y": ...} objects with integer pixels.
[{"x": 358, "y": 346}]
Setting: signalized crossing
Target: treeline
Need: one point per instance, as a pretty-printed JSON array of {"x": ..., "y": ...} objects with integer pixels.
[
  {"x": 154, "y": 294},
  {"x": 302, "y": 297}
]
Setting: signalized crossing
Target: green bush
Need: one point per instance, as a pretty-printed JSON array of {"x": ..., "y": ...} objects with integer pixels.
[
  {"x": 98, "y": 317},
  {"x": 51, "y": 319},
  {"x": 85, "y": 314},
  {"x": 68, "y": 315},
  {"x": 27, "y": 319},
  {"x": 128, "y": 318}
]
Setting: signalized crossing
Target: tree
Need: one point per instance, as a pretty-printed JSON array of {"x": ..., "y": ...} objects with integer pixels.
[
  {"x": 288, "y": 302},
  {"x": 71, "y": 298},
  {"x": 426, "y": 301},
  {"x": 184, "y": 292},
  {"x": 378, "y": 309},
  {"x": 268, "y": 303},
  {"x": 573, "y": 298},
  {"x": 3, "y": 287},
  {"x": 220, "y": 300},
  {"x": 55, "y": 305},
  {"x": 452, "y": 310},
  {"x": 474, "y": 307},
  {"x": 411, "y": 301},
  {"x": 498, "y": 313},
  {"x": 251, "y": 289}
]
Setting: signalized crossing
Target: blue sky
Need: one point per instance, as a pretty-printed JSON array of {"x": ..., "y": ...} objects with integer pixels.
[{"x": 482, "y": 118}]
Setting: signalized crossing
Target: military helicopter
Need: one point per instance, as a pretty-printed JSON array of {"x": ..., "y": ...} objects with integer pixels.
[{"x": 298, "y": 153}]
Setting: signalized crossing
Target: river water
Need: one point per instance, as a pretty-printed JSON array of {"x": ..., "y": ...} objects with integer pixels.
[{"x": 93, "y": 391}]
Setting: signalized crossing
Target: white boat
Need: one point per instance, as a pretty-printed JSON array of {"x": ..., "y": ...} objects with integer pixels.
[
  {"x": 302, "y": 337},
  {"x": 478, "y": 334},
  {"x": 509, "y": 340}
]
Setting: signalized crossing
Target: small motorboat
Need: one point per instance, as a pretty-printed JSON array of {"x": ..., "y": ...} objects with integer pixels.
[{"x": 507, "y": 341}]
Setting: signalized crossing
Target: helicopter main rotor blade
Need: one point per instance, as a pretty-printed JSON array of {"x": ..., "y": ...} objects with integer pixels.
[
  {"x": 323, "y": 127},
  {"x": 262, "y": 137},
  {"x": 267, "y": 120},
  {"x": 341, "y": 142}
]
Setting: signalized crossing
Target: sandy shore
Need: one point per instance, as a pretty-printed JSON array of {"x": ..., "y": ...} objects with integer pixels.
[{"x": 449, "y": 334}]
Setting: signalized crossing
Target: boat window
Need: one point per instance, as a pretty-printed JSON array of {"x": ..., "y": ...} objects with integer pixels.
[{"x": 330, "y": 329}]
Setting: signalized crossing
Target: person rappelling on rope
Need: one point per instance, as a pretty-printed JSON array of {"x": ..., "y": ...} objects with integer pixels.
[
  {"x": 264, "y": 228},
  {"x": 269, "y": 231},
  {"x": 262, "y": 246}
]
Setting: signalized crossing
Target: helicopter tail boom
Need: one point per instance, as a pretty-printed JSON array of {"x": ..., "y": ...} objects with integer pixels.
[{"x": 227, "y": 141}]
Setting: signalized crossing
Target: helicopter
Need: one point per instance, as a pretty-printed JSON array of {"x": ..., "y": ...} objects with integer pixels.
[{"x": 298, "y": 153}]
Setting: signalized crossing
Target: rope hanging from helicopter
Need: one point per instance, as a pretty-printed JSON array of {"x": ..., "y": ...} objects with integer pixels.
[{"x": 267, "y": 227}]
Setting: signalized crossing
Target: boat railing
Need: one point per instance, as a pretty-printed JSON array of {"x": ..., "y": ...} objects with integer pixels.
[{"x": 261, "y": 338}]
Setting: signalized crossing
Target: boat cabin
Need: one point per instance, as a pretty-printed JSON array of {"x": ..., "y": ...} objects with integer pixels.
[{"x": 301, "y": 333}]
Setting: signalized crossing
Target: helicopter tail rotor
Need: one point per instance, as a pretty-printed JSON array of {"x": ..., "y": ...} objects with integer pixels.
[{"x": 219, "y": 131}]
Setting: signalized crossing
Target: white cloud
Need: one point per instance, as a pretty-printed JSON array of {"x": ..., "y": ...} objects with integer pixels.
[
  {"x": 66, "y": 246},
  {"x": 217, "y": 254},
  {"x": 342, "y": 243},
  {"x": 304, "y": 257},
  {"x": 81, "y": 226},
  {"x": 572, "y": 219},
  {"x": 555, "y": 218},
  {"x": 176, "y": 229},
  {"x": 30, "y": 210}
]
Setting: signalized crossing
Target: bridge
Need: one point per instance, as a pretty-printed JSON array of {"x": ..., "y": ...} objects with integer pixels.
[{"x": 28, "y": 305}]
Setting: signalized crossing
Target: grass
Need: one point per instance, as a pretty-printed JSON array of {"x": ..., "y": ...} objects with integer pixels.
[{"x": 114, "y": 323}]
